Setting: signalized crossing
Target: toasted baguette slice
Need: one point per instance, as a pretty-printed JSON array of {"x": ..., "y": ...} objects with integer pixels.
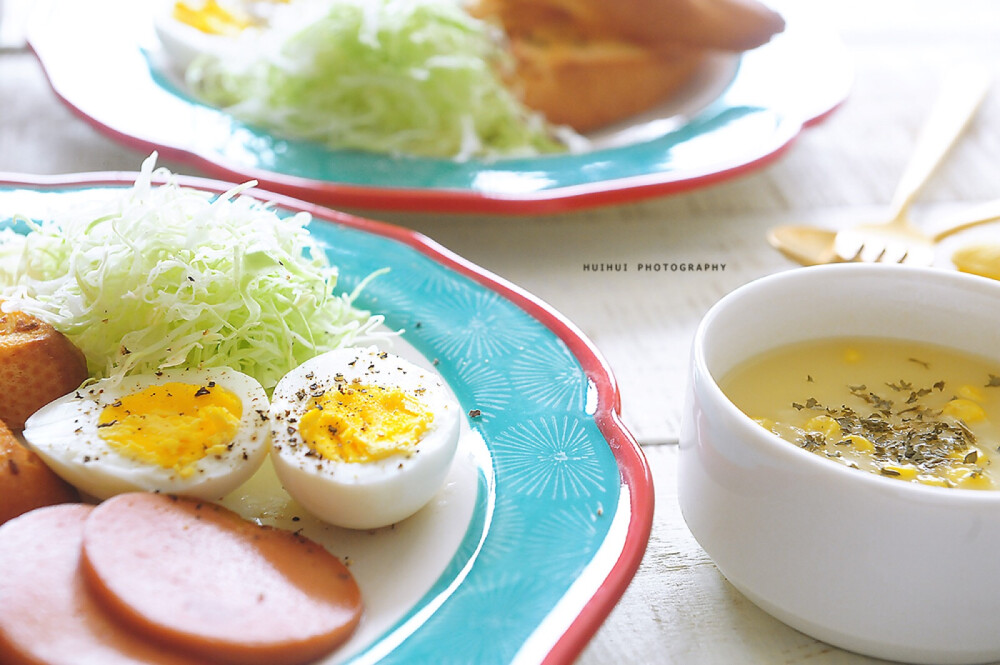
[
  {"x": 593, "y": 84},
  {"x": 723, "y": 25},
  {"x": 590, "y": 63}
]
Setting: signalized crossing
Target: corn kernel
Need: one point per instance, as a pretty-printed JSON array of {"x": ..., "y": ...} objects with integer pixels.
[
  {"x": 901, "y": 471},
  {"x": 970, "y": 455},
  {"x": 935, "y": 481},
  {"x": 852, "y": 356},
  {"x": 965, "y": 410},
  {"x": 766, "y": 423},
  {"x": 860, "y": 442},
  {"x": 969, "y": 479},
  {"x": 824, "y": 425},
  {"x": 972, "y": 392}
]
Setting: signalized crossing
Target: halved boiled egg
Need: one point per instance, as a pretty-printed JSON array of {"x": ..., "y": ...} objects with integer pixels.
[
  {"x": 362, "y": 438},
  {"x": 200, "y": 433},
  {"x": 221, "y": 28}
]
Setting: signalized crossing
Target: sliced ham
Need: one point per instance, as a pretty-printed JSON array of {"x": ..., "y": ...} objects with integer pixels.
[
  {"x": 47, "y": 615},
  {"x": 196, "y": 575}
]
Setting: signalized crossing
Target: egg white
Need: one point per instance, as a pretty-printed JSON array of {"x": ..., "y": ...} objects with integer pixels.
[
  {"x": 362, "y": 495},
  {"x": 64, "y": 434}
]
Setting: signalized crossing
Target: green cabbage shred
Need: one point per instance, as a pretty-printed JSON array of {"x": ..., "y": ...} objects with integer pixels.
[
  {"x": 161, "y": 276},
  {"x": 404, "y": 77}
]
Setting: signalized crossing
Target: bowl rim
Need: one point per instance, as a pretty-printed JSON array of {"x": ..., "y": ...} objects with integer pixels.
[{"x": 774, "y": 446}]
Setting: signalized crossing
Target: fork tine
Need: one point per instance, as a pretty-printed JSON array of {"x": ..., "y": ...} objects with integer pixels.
[
  {"x": 866, "y": 254},
  {"x": 921, "y": 256},
  {"x": 885, "y": 255}
]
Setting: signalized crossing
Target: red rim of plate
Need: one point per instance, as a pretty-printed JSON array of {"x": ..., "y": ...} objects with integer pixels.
[
  {"x": 632, "y": 464},
  {"x": 562, "y": 199},
  {"x": 545, "y": 202}
]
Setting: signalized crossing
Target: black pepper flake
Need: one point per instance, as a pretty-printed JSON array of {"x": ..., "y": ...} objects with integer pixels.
[
  {"x": 108, "y": 424},
  {"x": 201, "y": 392}
]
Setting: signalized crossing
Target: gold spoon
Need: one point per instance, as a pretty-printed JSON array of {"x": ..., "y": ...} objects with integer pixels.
[{"x": 812, "y": 245}]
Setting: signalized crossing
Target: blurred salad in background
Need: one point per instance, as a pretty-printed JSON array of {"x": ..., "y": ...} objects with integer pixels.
[{"x": 403, "y": 77}]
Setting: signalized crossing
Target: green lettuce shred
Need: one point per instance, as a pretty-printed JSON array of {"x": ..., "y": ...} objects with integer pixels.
[
  {"x": 168, "y": 276},
  {"x": 405, "y": 77}
]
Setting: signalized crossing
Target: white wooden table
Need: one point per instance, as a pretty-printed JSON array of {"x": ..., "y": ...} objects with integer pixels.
[{"x": 679, "y": 609}]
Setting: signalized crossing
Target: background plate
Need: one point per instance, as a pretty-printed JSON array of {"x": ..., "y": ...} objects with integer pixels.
[
  {"x": 100, "y": 58},
  {"x": 564, "y": 503}
]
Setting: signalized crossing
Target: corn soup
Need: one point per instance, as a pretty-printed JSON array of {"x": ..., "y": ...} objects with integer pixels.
[{"x": 904, "y": 410}]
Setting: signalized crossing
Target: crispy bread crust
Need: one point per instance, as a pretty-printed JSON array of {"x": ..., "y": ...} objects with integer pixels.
[{"x": 590, "y": 63}]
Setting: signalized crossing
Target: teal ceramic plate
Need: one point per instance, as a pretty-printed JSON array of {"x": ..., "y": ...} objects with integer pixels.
[
  {"x": 101, "y": 58},
  {"x": 562, "y": 501}
]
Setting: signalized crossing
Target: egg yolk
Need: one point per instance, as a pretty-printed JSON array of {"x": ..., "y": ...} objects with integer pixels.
[
  {"x": 211, "y": 18},
  {"x": 362, "y": 423},
  {"x": 173, "y": 425}
]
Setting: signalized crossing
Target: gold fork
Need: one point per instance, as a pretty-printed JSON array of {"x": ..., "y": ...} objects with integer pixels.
[{"x": 897, "y": 241}]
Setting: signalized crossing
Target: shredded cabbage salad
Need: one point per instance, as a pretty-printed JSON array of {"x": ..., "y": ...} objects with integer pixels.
[
  {"x": 167, "y": 276},
  {"x": 413, "y": 77}
]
